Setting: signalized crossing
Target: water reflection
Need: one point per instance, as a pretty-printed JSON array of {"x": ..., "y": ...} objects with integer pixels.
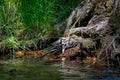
[
  {"x": 28, "y": 71},
  {"x": 18, "y": 70}
]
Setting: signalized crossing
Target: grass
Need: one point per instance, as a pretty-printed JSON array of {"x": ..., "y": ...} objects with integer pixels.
[
  {"x": 29, "y": 20},
  {"x": 63, "y": 8}
]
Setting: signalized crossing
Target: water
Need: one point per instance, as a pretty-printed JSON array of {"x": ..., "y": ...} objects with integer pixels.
[
  {"x": 71, "y": 71},
  {"x": 21, "y": 70},
  {"x": 28, "y": 71}
]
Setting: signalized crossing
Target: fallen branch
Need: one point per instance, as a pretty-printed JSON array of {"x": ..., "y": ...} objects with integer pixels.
[{"x": 93, "y": 28}]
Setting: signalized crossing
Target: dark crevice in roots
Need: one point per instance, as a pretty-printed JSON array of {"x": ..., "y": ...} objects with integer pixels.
[{"x": 84, "y": 22}]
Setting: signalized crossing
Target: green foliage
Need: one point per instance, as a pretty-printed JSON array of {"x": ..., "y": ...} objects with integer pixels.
[
  {"x": 40, "y": 14},
  {"x": 24, "y": 22},
  {"x": 36, "y": 14},
  {"x": 28, "y": 43},
  {"x": 1, "y": 2},
  {"x": 9, "y": 18},
  {"x": 11, "y": 43},
  {"x": 63, "y": 8}
]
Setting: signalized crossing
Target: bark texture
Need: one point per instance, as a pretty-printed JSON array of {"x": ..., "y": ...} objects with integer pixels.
[{"x": 94, "y": 24}]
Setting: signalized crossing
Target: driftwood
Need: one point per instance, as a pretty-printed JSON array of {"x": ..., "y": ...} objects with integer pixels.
[
  {"x": 95, "y": 13},
  {"x": 80, "y": 12},
  {"x": 89, "y": 28},
  {"x": 89, "y": 24}
]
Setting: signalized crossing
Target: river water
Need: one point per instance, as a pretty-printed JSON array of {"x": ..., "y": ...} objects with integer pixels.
[{"x": 28, "y": 70}]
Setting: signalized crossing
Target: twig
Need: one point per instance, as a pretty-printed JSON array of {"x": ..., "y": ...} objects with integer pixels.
[{"x": 112, "y": 43}]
